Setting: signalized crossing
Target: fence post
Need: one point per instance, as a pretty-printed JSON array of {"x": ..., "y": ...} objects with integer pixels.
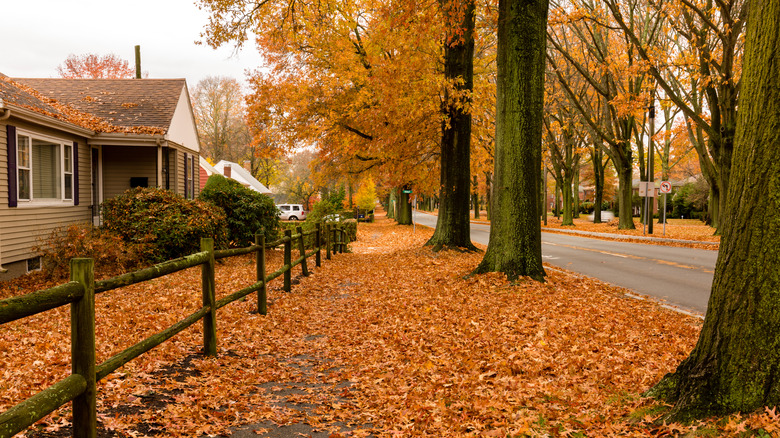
[
  {"x": 288, "y": 260},
  {"x": 262, "y": 294},
  {"x": 327, "y": 241},
  {"x": 340, "y": 231},
  {"x": 207, "y": 287},
  {"x": 318, "y": 239},
  {"x": 302, "y": 247},
  {"x": 82, "y": 348}
]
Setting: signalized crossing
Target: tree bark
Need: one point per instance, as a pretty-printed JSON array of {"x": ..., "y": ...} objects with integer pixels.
[
  {"x": 404, "y": 209},
  {"x": 453, "y": 228},
  {"x": 515, "y": 245},
  {"x": 598, "y": 177},
  {"x": 475, "y": 196},
  {"x": 735, "y": 365}
]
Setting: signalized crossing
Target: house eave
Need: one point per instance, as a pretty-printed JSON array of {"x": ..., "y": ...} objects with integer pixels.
[
  {"x": 125, "y": 139},
  {"x": 29, "y": 115}
]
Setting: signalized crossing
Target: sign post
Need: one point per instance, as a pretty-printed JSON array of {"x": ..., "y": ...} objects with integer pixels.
[{"x": 666, "y": 187}]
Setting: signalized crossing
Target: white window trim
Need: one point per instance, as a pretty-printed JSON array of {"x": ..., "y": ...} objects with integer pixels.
[{"x": 46, "y": 202}]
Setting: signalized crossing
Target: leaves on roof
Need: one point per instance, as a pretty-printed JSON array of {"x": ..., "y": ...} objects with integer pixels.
[{"x": 60, "y": 111}]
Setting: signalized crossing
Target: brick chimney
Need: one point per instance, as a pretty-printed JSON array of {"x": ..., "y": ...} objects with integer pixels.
[{"x": 227, "y": 171}]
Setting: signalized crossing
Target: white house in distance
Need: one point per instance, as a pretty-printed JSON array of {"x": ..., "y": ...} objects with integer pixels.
[{"x": 233, "y": 171}]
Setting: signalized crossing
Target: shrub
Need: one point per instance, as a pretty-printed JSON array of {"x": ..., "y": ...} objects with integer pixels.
[
  {"x": 112, "y": 254},
  {"x": 308, "y": 241},
  {"x": 320, "y": 210},
  {"x": 587, "y": 207},
  {"x": 247, "y": 211},
  {"x": 163, "y": 223}
]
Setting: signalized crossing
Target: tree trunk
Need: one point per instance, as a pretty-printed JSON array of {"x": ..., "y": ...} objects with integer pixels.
[
  {"x": 475, "y": 196},
  {"x": 404, "y": 209},
  {"x": 392, "y": 200},
  {"x": 515, "y": 245},
  {"x": 488, "y": 191},
  {"x": 735, "y": 365},
  {"x": 453, "y": 228},
  {"x": 625, "y": 195},
  {"x": 575, "y": 189},
  {"x": 566, "y": 194},
  {"x": 598, "y": 176}
]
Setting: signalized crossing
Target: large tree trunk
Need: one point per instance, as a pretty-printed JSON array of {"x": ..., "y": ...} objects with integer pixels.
[
  {"x": 515, "y": 245},
  {"x": 598, "y": 176},
  {"x": 453, "y": 228},
  {"x": 403, "y": 211},
  {"x": 625, "y": 195},
  {"x": 735, "y": 365},
  {"x": 475, "y": 196}
]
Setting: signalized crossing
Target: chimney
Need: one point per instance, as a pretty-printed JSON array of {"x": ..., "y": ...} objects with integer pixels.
[
  {"x": 138, "y": 62},
  {"x": 248, "y": 166},
  {"x": 227, "y": 171}
]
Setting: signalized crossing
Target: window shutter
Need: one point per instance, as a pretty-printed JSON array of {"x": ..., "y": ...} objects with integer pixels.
[
  {"x": 12, "y": 178},
  {"x": 193, "y": 176},
  {"x": 186, "y": 174},
  {"x": 75, "y": 173}
]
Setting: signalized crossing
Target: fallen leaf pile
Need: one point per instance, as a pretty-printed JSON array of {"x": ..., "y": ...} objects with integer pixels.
[{"x": 390, "y": 339}]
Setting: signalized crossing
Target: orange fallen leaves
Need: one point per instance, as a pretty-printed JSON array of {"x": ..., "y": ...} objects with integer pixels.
[
  {"x": 426, "y": 352},
  {"x": 680, "y": 229}
]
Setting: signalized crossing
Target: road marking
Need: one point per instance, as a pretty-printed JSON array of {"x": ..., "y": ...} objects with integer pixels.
[
  {"x": 635, "y": 257},
  {"x": 550, "y": 257}
]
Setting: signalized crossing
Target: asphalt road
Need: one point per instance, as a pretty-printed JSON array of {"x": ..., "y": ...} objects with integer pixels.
[{"x": 682, "y": 277}]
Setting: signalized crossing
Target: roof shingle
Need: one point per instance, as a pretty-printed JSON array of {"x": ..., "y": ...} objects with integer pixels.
[{"x": 126, "y": 103}]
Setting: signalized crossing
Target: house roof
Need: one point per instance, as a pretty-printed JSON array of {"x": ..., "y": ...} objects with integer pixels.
[
  {"x": 124, "y": 103},
  {"x": 210, "y": 170},
  {"x": 238, "y": 173},
  {"x": 13, "y": 93}
]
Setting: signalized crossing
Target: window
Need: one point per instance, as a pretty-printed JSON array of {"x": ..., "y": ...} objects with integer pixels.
[
  {"x": 33, "y": 264},
  {"x": 45, "y": 169}
]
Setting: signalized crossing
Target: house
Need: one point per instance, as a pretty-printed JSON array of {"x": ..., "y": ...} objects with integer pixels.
[
  {"x": 206, "y": 170},
  {"x": 241, "y": 174},
  {"x": 68, "y": 144}
]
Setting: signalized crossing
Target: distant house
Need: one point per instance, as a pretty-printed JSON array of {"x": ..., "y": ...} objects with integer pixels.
[
  {"x": 68, "y": 144},
  {"x": 239, "y": 173},
  {"x": 205, "y": 170}
]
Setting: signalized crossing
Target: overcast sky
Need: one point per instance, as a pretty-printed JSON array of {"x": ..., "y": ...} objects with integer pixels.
[{"x": 40, "y": 34}]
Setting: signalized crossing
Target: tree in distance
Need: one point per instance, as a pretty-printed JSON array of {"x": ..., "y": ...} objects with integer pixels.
[{"x": 93, "y": 66}]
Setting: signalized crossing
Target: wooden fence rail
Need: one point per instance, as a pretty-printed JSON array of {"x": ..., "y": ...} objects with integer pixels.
[{"x": 80, "y": 386}]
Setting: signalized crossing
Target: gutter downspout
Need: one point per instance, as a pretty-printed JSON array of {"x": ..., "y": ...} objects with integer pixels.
[{"x": 5, "y": 114}]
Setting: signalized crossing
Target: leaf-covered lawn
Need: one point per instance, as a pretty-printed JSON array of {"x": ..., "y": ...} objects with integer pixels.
[
  {"x": 395, "y": 341},
  {"x": 683, "y": 229}
]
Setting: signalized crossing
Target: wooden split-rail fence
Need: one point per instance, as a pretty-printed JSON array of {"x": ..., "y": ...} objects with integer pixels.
[{"x": 80, "y": 385}]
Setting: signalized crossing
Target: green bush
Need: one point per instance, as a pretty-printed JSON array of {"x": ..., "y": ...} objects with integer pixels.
[
  {"x": 587, "y": 207},
  {"x": 163, "y": 223},
  {"x": 247, "y": 211},
  {"x": 308, "y": 241},
  {"x": 350, "y": 226},
  {"x": 320, "y": 210},
  {"x": 112, "y": 255}
]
